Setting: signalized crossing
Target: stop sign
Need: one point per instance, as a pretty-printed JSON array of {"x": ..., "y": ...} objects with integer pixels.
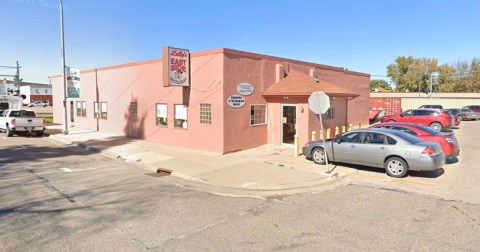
[{"x": 319, "y": 102}]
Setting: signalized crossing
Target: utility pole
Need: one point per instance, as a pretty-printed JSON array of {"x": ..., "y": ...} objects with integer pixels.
[
  {"x": 16, "y": 77},
  {"x": 62, "y": 41},
  {"x": 431, "y": 85}
]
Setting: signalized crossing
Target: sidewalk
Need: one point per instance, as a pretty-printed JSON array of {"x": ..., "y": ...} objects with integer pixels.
[{"x": 263, "y": 171}]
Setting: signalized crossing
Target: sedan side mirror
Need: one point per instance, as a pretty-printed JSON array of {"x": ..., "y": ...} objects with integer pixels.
[{"x": 402, "y": 115}]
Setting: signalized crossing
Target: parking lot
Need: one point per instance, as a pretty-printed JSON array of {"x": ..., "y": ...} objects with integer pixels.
[{"x": 458, "y": 180}]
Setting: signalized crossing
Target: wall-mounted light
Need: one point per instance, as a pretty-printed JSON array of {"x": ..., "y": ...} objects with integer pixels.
[
  {"x": 333, "y": 98},
  {"x": 301, "y": 109},
  {"x": 285, "y": 97}
]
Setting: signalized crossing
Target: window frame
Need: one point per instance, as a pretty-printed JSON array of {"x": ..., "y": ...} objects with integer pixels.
[
  {"x": 206, "y": 113},
  {"x": 157, "y": 121},
  {"x": 330, "y": 114},
  {"x": 180, "y": 123},
  {"x": 253, "y": 115},
  {"x": 133, "y": 110},
  {"x": 78, "y": 109},
  {"x": 102, "y": 111},
  {"x": 84, "y": 109},
  {"x": 96, "y": 109}
]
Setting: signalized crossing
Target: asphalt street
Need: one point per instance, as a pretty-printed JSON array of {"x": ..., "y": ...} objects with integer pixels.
[{"x": 56, "y": 197}]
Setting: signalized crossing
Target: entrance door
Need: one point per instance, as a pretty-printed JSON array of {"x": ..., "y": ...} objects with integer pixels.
[
  {"x": 289, "y": 119},
  {"x": 72, "y": 111}
]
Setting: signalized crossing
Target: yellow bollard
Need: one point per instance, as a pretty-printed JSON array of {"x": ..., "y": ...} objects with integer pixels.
[
  {"x": 328, "y": 134},
  {"x": 349, "y": 127},
  {"x": 337, "y": 132},
  {"x": 296, "y": 146},
  {"x": 313, "y": 135},
  {"x": 360, "y": 125},
  {"x": 343, "y": 129}
]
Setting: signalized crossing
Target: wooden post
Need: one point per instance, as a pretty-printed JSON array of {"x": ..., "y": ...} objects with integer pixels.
[
  {"x": 337, "y": 132},
  {"x": 343, "y": 129},
  {"x": 296, "y": 145},
  {"x": 349, "y": 127},
  {"x": 313, "y": 135},
  {"x": 328, "y": 134}
]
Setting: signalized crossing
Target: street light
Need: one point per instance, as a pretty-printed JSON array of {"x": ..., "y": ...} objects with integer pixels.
[{"x": 65, "y": 121}]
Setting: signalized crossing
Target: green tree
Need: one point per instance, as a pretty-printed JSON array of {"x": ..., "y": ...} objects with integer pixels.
[
  {"x": 446, "y": 78},
  {"x": 411, "y": 74},
  {"x": 380, "y": 83}
]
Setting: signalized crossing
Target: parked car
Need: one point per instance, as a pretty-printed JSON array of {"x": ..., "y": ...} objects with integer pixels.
[
  {"x": 395, "y": 151},
  {"x": 475, "y": 108},
  {"x": 37, "y": 104},
  {"x": 15, "y": 121},
  {"x": 463, "y": 114},
  {"x": 448, "y": 142},
  {"x": 432, "y": 106},
  {"x": 436, "y": 119}
]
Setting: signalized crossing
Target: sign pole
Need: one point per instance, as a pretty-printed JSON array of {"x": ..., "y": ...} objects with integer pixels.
[
  {"x": 65, "y": 120},
  {"x": 323, "y": 141},
  {"x": 319, "y": 103}
]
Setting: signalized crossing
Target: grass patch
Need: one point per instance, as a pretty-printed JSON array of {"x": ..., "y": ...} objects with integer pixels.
[{"x": 48, "y": 118}]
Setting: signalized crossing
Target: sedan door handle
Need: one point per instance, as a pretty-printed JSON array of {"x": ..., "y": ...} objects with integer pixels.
[
  {"x": 352, "y": 146},
  {"x": 382, "y": 148}
]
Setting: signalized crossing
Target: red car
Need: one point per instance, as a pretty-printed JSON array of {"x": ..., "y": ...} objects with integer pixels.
[
  {"x": 447, "y": 141},
  {"x": 436, "y": 119}
]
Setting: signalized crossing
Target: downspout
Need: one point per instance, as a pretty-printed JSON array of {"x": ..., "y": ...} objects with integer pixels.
[{"x": 97, "y": 99}]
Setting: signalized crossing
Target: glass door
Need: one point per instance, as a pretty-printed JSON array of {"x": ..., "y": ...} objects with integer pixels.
[{"x": 289, "y": 119}]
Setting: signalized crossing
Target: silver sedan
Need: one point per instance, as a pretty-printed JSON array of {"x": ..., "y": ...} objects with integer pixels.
[{"x": 393, "y": 150}]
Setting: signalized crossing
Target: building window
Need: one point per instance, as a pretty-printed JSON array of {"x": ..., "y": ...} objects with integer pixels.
[
  {"x": 180, "y": 116},
  {"x": 205, "y": 113},
  {"x": 46, "y": 91},
  {"x": 95, "y": 110},
  {"x": 84, "y": 109},
  {"x": 258, "y": 114},
  {"x": 37, "y": 91},
  {"x": 161, "y": 114},
  {"x": 330, "y": 114},
  {"x": 103, "y": 110},
  {"x": 79, "y": 108},
  {"x": 133, "y": 110}
]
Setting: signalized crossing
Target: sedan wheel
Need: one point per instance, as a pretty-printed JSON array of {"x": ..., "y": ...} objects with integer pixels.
[
  {"x": 436, "y": 126},
  {"x": 318, "y": 156},
  {"x": 396, "y": 167}
]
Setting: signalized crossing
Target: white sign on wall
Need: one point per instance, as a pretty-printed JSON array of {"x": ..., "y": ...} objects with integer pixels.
[
  {"x": 236, "y": 101},
  {"x": 73, "y": 82},
  {"x": 245, "y": 88}
]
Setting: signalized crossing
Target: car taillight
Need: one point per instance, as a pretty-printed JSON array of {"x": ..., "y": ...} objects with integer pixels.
[
  {"x": 12, "y": 122},
  {"x": 428, "y": 151}
]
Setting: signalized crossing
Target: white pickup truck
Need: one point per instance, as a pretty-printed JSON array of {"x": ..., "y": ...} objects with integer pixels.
[{"x": 15, "y": 121}]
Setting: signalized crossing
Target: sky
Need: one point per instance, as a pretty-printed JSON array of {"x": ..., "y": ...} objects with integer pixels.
[{"x": 363, "y": 36}]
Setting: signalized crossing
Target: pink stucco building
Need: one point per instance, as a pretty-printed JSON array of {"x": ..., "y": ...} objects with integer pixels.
[{"x": 214, "y": 113}]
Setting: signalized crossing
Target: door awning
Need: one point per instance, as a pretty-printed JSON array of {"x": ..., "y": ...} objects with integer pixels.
[{"x": 299, "y": 84}]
